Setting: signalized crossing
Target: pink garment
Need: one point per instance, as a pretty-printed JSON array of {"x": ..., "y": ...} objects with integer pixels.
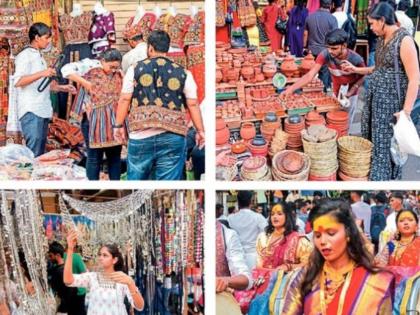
[
  {"x": 269, "y": 18},
  {"x": 312, "y": 6},
  {"x": 284, "y": 252}
]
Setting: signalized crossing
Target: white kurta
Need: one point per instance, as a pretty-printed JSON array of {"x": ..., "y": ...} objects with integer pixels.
[{"x": 103, "y": 300}]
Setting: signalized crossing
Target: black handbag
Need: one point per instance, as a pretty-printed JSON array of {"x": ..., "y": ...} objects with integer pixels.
[{"x": 281, "y": 25}]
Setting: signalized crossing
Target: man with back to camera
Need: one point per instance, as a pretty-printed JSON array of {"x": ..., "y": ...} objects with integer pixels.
[
  {"x": 66, "y": 294},
  {"x": 317, "y": 25},
  {"x": 361, "y": 210},
  {"x": 156, "y": 94},
  {"x": 34, "y": 107},
  {"x": 248, "y": 224}
]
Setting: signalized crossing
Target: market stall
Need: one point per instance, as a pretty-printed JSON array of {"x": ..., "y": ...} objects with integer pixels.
[
  {"x": 82, "y": 29},
  {"x": 269, "y": 136},
  {"x": 159, "y": 232}
]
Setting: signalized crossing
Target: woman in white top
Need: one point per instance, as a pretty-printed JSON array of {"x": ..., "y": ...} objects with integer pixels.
[{"x": 107, "y": 288}]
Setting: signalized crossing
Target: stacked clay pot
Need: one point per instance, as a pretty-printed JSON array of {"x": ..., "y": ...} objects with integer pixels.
[
  {"x": 247, "y": 131},
  {"x": 255, "y": 168},
  {"x": 314, "y": 118},
  {"x": 278, "y": 143},
  {"x": 247, "y": 72},
  {"x": 339, "y": 121},
  {"x": 293, "y": 126},
  {"x": 320, "y": 144},
  {"x": 289, "y": 67},
  {"x": 290, "y": 165},
  {"x": 307, "y": 64},
  {"x": 269, "y": 126},
  {"x": 258, "y": 146},
  {"x": 354, "y": 156},
  {"x": 239, "y": 147},
  {"x": 222, "y": 132}
]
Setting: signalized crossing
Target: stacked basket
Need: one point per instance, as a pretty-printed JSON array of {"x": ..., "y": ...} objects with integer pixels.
[
  {"x": 291, "y": 165},
  {"x": 255, "y": 168},
  {"x": 354, "y": 155},
  {"x": 323, "y": 154}
]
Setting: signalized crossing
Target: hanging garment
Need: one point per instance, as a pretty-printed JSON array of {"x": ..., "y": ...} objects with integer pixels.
[
  {"x": 76, "y": 29},
  {"x": 102, "y": 32},
  {"x": 178, "y": 29},
  {"x": 143, "y": 27}
]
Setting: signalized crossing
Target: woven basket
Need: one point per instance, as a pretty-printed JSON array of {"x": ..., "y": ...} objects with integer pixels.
[
  {"x": 353, "y": 144},
  {"x": 301, "y": 176},
  {"x": 319, "y": 147}
]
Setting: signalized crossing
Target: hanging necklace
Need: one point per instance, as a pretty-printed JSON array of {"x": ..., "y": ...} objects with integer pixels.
[{"x": 331, "y": 280}]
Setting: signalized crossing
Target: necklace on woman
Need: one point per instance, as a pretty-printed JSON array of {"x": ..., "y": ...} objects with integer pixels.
[{"x": 331, "y": 281}]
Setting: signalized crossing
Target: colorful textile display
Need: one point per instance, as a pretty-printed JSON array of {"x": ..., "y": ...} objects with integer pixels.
[
  {"x": 177, "y": 30},
  {"x": 102, "y": 32},
  {"x": 144, "y": 26},
  {"x": 76, "y": 29},
  {"x": 163, "y": 22},
  {"x": 221, "y": 13},
  {"x": 196, "y": 30},
  {"x": 246, "y": 13},
  {"x": 68, "y": 135},
  {"x": 4, "y": 76}
]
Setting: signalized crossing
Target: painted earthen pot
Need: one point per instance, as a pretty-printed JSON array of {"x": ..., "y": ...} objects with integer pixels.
[
  {"x": 233, "y": 74},
  {"x": 307, "y": 64},
  {"x": 222, "y": 132},
  {"x": 247, "y": 131},
  {"x": 269, "y": 70},
  {"x": 288, "y": 67}
]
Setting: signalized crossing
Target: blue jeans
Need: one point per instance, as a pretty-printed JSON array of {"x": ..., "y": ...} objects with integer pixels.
[
  {"x": 95, "y": 161},
  {"x": 161, "y": 157},
  {"x": 35, "y": 131}
]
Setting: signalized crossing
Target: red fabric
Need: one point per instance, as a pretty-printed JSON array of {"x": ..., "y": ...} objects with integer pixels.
[
  {"x": 284, "y": 252},
  {"x": 410, "y": 257},
  {"x": 222, "y": 34},
  {"x": 195, "y": 60},
  {"x": 357, "y": 280},
  {"x": 222, "y": 267},
  {"x": 269, "y": 18}
]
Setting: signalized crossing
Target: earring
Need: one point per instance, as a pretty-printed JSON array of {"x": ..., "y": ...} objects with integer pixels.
[{"x": 348, "y": 239}]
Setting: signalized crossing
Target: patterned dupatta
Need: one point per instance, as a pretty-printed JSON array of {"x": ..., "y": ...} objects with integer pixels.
[
  {"x": 222, "y": 267},
  {"x": 367, "y": 291},
  {"x": 283, "y": 251}
]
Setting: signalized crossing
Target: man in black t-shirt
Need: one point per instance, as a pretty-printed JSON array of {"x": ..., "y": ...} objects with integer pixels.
[{"x": 55, "y": 279}]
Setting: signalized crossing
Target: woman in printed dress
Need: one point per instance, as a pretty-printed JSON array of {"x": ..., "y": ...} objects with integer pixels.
[
  {"x": 109, "y": 287},
  {"x": 339, "y": 278},
  {"x": 281, "y": 246}
]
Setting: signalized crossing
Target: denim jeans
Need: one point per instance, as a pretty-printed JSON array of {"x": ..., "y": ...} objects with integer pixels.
[
  {"x": 197, "y": 155},
  {"x": 161, "y": 157},
  {"x": 95, "y": 161},
  {"x": 35, "y": 131}
]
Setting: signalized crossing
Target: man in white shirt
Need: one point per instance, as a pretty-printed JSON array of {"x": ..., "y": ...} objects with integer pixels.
[
  {"x": 34, "y": 107},
  {"x": 248, "y": 224},
  {"x": 339, "y": 14},
  {"x": 159, "y": 92},
  {"x": 137, "y": 53},
  {"x": 403, "y": 19},
  {"x": 361, "y": 210},
  {"x": 396, "y": 204}
]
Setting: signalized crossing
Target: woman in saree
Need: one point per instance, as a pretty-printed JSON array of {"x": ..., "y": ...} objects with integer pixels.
[
  {"x": 280, "y": 246},
  {"x": 340, "y": 278},
  {"x": 402, "y": 255}
]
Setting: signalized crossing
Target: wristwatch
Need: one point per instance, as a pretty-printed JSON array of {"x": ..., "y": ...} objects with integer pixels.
[{"x": 117, "y": 126}]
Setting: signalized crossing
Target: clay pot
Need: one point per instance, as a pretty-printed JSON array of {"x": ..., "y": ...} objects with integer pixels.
[
  {"x": 233, "y": 74},
  {"x": 236, "y": 63},
  {"x": 238, "y": 148},
  {"x": 259, "y": 77},
  {"x": 288, "y": 67},
  {"x": 292, "y": 162},
  {"x": 270, "y": 117},
  {"x": 247, "y": 72},
  {"x": 307, "y": 64},
  {"x": 247, "y": 131},
  {"x": 222, "y": 132},
  {"x": 258, "y": 141},
  {"x": 219, "y": 75},
  {"x": 269, "y": 71}
]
